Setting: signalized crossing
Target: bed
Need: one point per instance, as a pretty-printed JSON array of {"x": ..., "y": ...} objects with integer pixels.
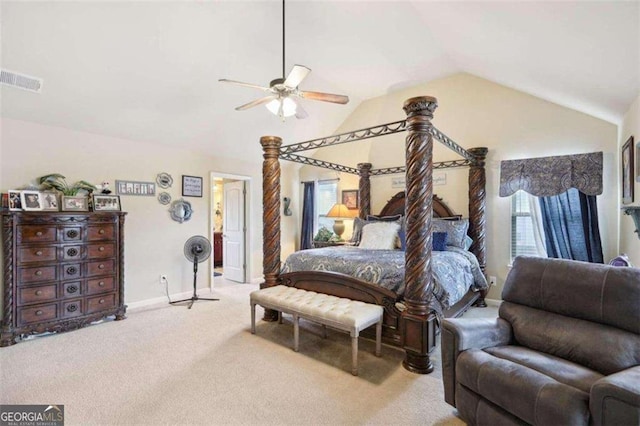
[{"x": 412, "y": 324}]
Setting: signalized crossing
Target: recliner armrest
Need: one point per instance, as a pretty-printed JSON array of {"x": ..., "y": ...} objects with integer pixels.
[
  {"x": 460, "y": 334},
  {"x": 615, "y": 399}
]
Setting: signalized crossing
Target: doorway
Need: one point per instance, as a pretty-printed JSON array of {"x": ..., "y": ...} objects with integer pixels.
[{"x": 229, "y": 219}]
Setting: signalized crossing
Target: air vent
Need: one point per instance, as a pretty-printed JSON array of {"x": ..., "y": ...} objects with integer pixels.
[{"x": 21, "y": 81}]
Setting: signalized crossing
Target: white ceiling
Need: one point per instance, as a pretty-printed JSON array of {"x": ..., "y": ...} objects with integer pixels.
[{"x": 148, "y": 70}]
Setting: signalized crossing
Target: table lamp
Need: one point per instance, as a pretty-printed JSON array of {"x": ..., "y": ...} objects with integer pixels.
[{"x": 340, "y": 212}]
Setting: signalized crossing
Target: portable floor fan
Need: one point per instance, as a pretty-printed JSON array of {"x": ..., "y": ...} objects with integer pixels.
[{"x": 197, "y": 249}]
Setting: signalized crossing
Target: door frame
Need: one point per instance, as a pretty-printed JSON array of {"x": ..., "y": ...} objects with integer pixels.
[{"x": 247, "y": 217}]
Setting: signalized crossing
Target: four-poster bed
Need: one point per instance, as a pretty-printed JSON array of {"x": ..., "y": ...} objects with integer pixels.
[{"x": 414, "y": 327}]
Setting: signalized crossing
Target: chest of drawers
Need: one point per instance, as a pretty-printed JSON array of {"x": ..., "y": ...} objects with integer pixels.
[{"x": 61, "y": 271}]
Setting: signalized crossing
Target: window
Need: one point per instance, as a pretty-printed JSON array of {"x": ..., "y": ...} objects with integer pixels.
[
  {"x": 523, "y": 241},
  {"x": 327, "y": 197}
]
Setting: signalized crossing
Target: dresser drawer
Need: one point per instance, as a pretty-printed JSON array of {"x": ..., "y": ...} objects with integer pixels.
[
  {"x": 101, "y": 303},
  {"x": 101, "y": 267},
  {"x": 36, "y": 254},
  {"x": 71, "y": 271},
  {"x": 71, "y": 253},
  {"x": 37, "y": 274},
  {"x": 96, "y": 251},
  {"x": 71, "y": 289},
  {"x": 40, "y": 294},
  {"x": 72, "y": 233},
  {"x": 72, "y": 308},
  {"x": 36, "y": 234},
  {"x": 37, "y": 313},
  {"x": 101, "y": 285},
  {"x": 105, "y": 231}
]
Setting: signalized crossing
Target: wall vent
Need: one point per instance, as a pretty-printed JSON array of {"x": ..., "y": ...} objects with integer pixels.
[{"x": 21, "y": 81}]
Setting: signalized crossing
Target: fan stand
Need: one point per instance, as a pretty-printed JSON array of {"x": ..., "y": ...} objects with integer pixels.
[{"x": 195, "y": 297}]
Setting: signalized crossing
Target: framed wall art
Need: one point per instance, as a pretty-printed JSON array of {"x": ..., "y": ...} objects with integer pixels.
[
  {"x": 350, "y": 199},
  {"x": 130, "y": 187},
  {"x": 627, "y": 171},
  {"x": 191, "y": 186}
]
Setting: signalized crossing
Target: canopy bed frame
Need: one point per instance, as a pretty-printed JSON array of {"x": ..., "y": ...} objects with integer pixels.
[{"x": 414, "y": 328}]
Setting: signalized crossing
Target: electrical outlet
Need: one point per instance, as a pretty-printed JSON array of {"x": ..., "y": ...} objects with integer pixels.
[
  {"x": 163, "y": 279},
  {"x": 492, "y": 281}
]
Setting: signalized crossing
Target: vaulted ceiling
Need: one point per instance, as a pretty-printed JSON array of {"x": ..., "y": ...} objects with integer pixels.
[{"x": 148, "y": 71}]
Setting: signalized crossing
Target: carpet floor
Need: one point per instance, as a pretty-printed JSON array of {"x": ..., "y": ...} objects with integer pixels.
[{"x": 169, "y": 365}]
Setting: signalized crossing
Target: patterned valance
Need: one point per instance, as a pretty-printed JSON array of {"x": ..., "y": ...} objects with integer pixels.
[{"x": 547, "y": 176}]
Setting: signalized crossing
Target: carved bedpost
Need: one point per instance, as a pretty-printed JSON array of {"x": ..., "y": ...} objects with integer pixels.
[
  {"x": 7, "y": 337},
  {"x": 270, "y": 215},
  {"x": 418, "y": 319},
  {"x": 477, "y": 201},
  {"x": 364, "y": 186}
]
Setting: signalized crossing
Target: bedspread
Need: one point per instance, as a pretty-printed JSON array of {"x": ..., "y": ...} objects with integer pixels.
[{"x": 454, "y": 270}]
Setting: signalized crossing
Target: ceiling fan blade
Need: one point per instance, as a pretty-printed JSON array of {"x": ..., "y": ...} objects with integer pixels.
[
  {"x": 239, "y": 83},
  {"x": 300, "y": 112},
  {"x": 326, "y": 97},
  {"x": 257, "y": 102},
  {"x": 297, "y": 74}
]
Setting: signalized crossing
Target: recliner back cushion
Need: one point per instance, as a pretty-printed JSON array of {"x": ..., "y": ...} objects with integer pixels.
[
  {"x": 595, "y": 292},
  {"x": 599, "y": 347}
]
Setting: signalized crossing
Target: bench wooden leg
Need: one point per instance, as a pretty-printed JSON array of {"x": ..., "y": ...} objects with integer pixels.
[
  {"x": 253, "y": 318},
  {"x": 354, "y": 354},
  {"x": 379, "y": 338},
  {"x": 296, "y": 332}
]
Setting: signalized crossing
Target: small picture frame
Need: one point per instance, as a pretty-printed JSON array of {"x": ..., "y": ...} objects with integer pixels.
[
  {"x": 31, "y": 200},
  {"x": 75, "y": 203},
  {"x": 106, "y": 203},
  {"x": 15, "y": 202},
  {"x": 191, "y": 186},
  {"x": 50, "y": 201},
  {"x": 350, "y": 198},
  {"x": 627, "y": 171}
]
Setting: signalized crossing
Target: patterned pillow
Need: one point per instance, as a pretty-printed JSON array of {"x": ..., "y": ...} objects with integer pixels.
[
  {"x": 439, "y": 241},
  {"x": 456, "y": 230},
  {"x": 379, "y": 235}
]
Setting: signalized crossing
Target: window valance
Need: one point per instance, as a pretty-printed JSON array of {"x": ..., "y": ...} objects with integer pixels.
[{"x": 547, "y": 176}]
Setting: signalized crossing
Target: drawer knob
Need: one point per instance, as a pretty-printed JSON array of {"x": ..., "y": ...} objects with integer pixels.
[
  {"x": 72, "y": 270},
  {"x": 101, "y": 232},
  {"x": 39, "y": 312},
  {"x": 72, "y": 233},
  {"x": 39, "y": 234},
  {"x": 101, "y": 249},
  {"x": 38, "y": 292},
  {"x": 101, "y": 301},
  {"x": 101, "y": 266},
  {"x": 38, "y": 273},
  {"x": 72, "y": 289},
  {"x": 39, "y": 253},
  {"x": 72, "y": 308},
  {"x": 72, "y": 252},
  {"x": 101, "y": 284}
]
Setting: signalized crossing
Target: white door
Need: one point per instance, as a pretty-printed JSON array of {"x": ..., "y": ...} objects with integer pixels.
[{"x": 233, "y": 232}]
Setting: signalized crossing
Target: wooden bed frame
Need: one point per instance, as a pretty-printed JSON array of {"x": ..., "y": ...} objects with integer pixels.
[{"x": 414, "y": 328}]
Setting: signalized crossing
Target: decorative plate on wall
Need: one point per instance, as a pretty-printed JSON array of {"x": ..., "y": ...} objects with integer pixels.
[
  {"x": 164, "y": 198},
  {"x": 181, "y": 211},
  {"x": 164, "y": 180}
]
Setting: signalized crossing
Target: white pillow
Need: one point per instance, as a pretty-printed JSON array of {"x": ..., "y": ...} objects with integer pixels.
[{"x": 379, "y": 235}]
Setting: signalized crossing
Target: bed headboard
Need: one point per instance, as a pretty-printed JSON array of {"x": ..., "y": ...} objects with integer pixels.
[{"x": 396, "y": 206}]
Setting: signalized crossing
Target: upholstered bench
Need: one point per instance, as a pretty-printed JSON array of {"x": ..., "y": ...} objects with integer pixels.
[{"x": 343, "y": 314}]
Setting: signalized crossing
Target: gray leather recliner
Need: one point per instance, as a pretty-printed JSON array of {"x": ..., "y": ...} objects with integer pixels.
[{"x": 565, "y": 349}]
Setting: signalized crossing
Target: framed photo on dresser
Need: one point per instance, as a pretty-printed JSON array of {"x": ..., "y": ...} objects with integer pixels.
[
  {"x": 106, "y": 203},
  {"x": 75, "y": 204},
  {"x": 31, "y": 200}
]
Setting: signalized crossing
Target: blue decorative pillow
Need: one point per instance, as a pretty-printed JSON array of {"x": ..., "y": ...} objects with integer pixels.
[
  {"x": 467, "y": 242},
  {"x": 439, "y": 240},
  {"x": 457, "y": 230}
]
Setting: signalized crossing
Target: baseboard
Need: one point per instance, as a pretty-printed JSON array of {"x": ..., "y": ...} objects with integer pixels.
[
  {"x": 493, "y": 302},
  {"x": 131, "y": 306}
]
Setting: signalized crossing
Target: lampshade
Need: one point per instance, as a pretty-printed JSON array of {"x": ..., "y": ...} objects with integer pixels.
[
  {"x": 288, "y": 106},
  {"x": 341, "y": 211}
]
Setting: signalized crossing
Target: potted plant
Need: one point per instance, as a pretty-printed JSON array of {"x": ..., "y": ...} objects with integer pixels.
[{"x": 57, "y": 181}]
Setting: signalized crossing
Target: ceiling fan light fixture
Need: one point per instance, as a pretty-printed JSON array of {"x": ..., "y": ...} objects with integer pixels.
[{"x": 288, "y": 108}]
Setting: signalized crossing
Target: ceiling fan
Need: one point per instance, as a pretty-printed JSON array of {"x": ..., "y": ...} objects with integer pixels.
[{"x": 282, "y": 93}]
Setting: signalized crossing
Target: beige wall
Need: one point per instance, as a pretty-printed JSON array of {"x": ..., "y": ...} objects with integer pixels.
[
  {"x": 154, "y": 242},
  {"x": 629, "y": 241},
  {"x": 476, "y": 112}
]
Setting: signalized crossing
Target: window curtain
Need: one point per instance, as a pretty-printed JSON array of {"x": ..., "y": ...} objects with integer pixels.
[
  {"x": 570, "y": 222},
  {"x": 308, "y": 209}
]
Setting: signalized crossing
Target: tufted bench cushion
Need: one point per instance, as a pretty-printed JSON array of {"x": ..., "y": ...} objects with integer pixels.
[{"x": 343, "y": 314}]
